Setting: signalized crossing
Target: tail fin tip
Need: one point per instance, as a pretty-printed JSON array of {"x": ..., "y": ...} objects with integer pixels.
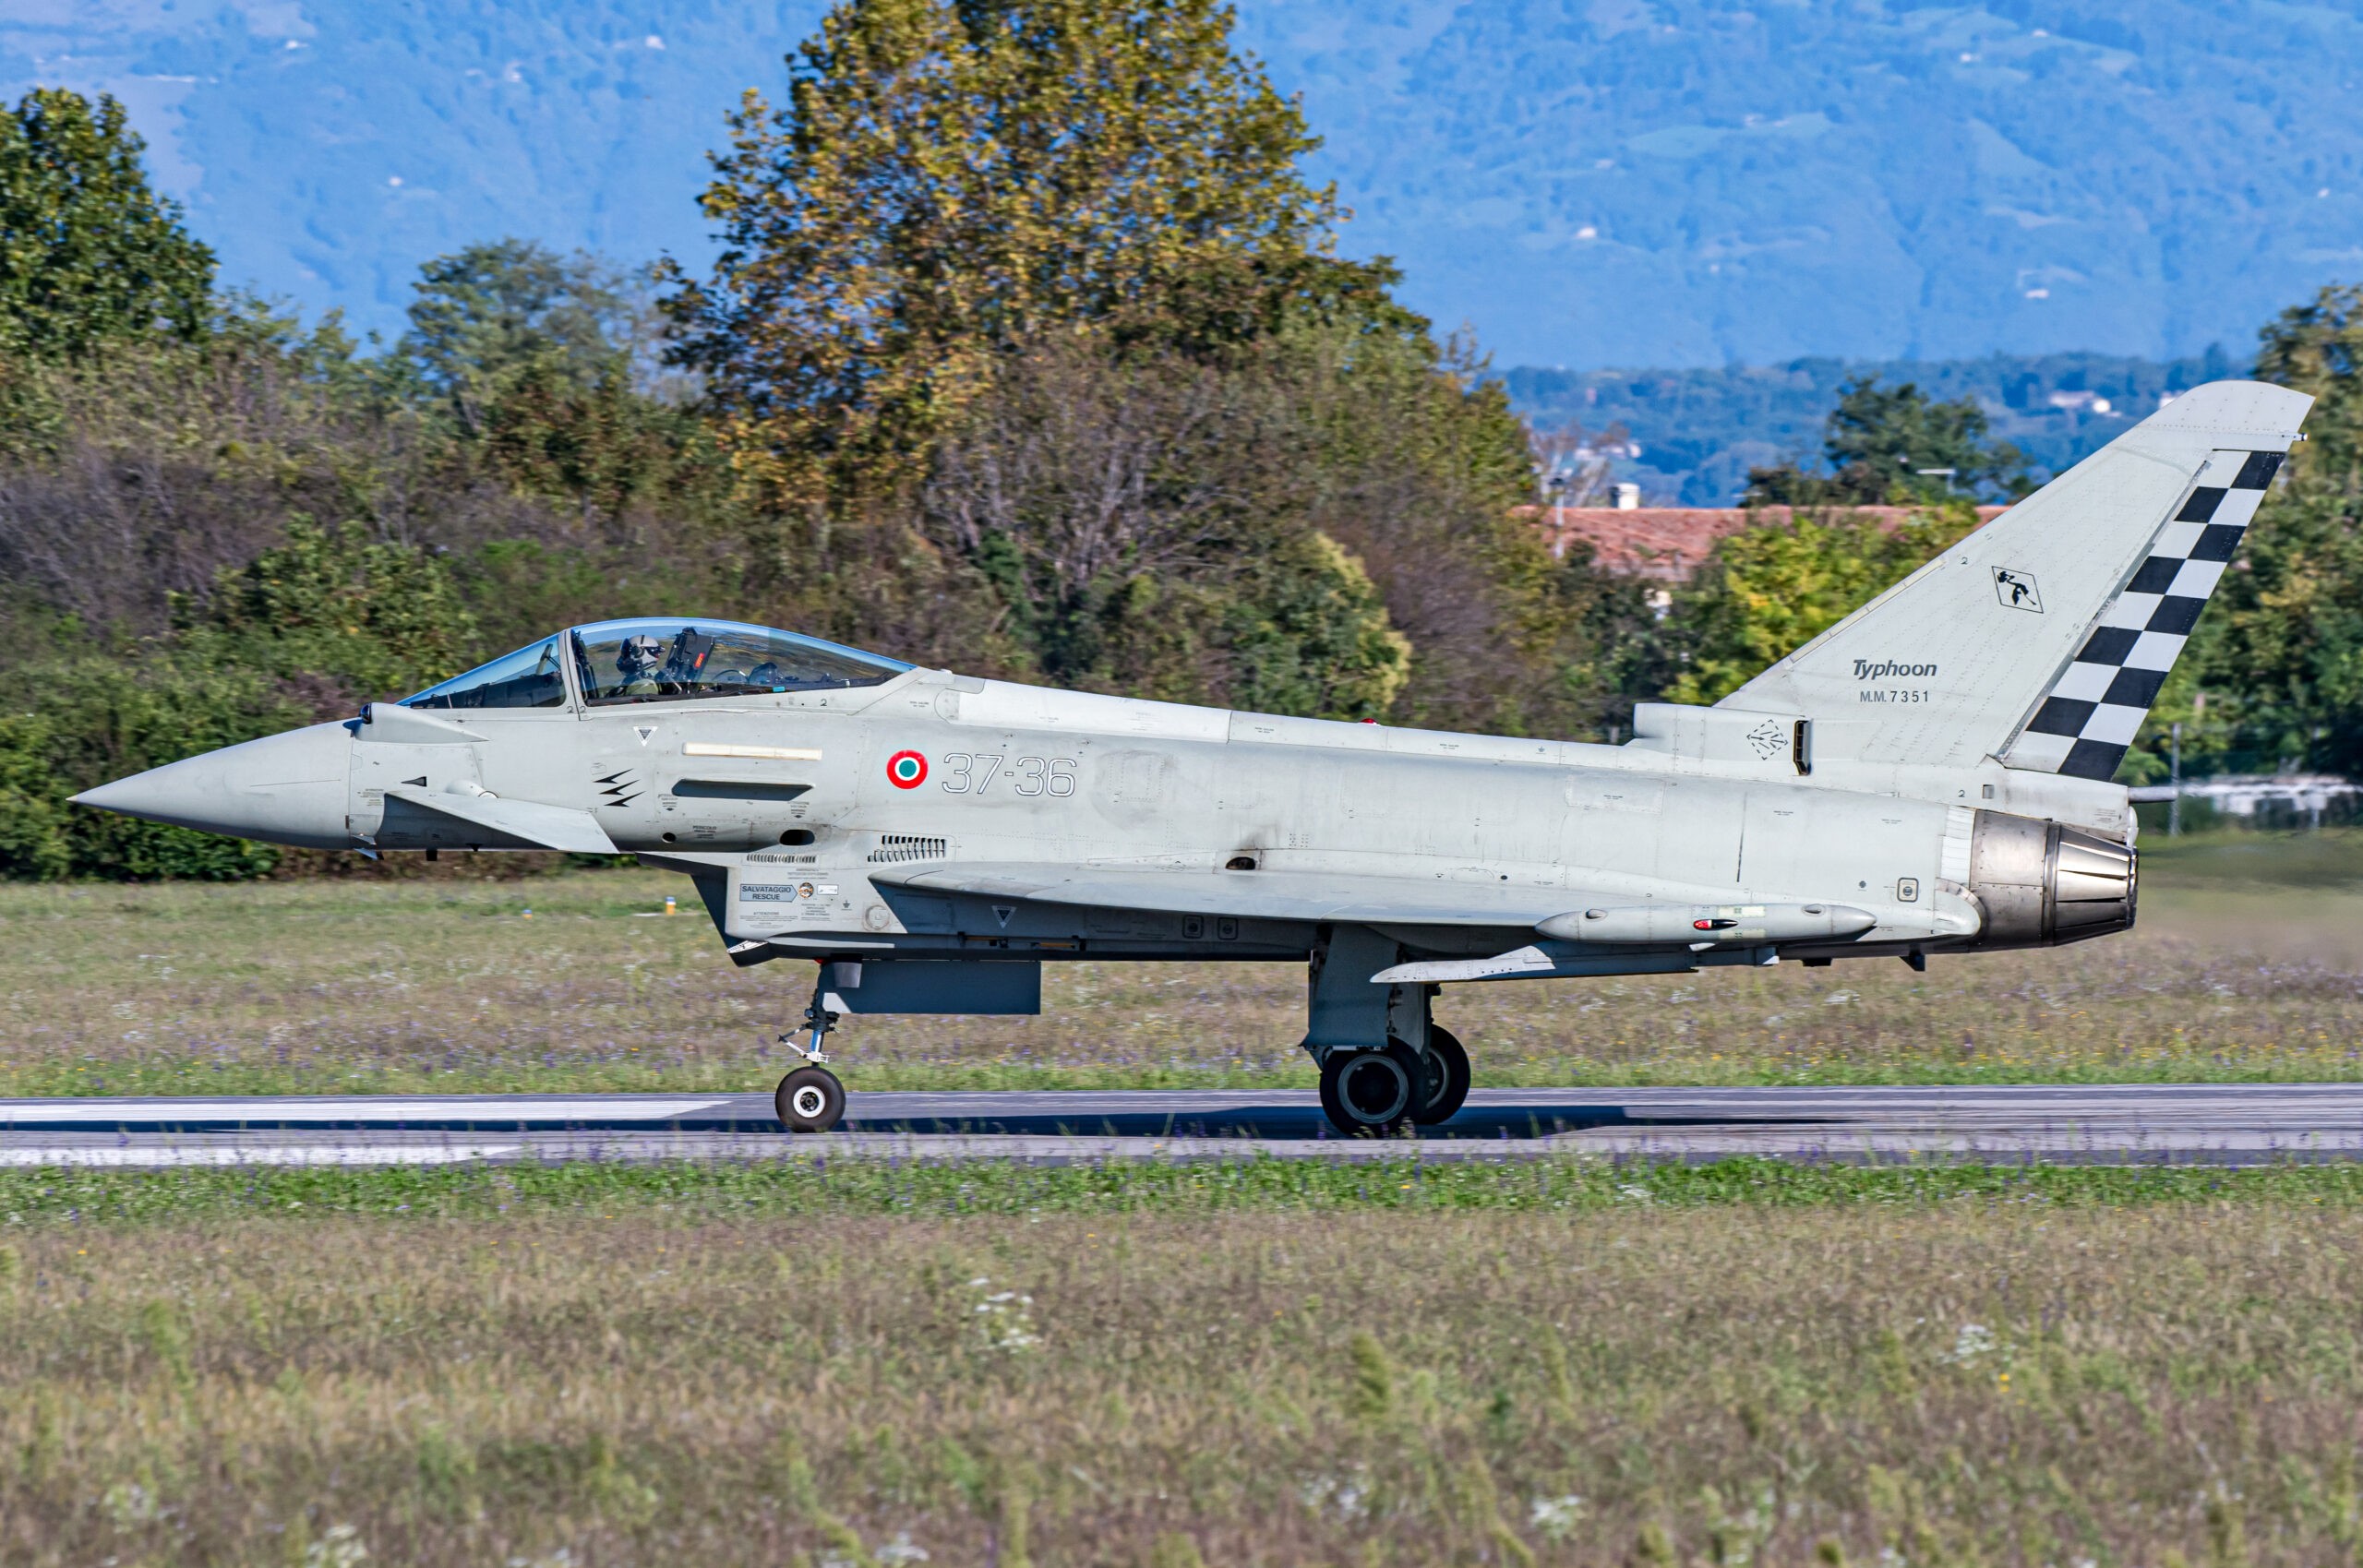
[{"x": 2042, "y": 638}]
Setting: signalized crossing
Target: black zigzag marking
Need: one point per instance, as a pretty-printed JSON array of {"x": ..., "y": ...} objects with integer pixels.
[
  {"x": 2109, "y": 645},
  {"x": 2177, "y": 613},
  {"x": 2092, "y": 759},
  {"x": 2134, "y": 689},
  {"x": 2257, "y": 471},
  {"x": 2216, "y": 542},
  {"x": 2061, "y": 716},
  {"x": 2157, "y": 575},
  {"x": 2201, "y": 505}
]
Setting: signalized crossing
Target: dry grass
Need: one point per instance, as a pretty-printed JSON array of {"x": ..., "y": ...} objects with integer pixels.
[
  {"x": 2248, "y": 963},
  {"x": 1955, "y": 1383}
]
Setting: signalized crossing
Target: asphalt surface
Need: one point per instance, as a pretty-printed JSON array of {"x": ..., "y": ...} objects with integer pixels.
[{"x": 2220, "y": 1124}]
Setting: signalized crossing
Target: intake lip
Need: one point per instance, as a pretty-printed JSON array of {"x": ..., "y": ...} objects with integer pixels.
[{"x": 288, "y": 788}]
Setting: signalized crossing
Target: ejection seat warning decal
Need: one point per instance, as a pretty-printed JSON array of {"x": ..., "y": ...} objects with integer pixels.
[{"x": 2017, "y": 590}]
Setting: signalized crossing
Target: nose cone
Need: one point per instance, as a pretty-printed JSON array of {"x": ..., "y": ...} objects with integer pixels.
[{"x": 284, "y": 788}]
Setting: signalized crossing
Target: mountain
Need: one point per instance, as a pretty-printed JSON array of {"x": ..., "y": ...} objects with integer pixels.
[
  {"x": 1584, "y": 182},
  {"x": 1701, "y": 431}
]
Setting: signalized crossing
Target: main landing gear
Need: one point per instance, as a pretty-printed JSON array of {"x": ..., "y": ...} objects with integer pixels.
[
  {"x": 1373, "y": 1093},
  {"x": 809, "y": 1098},
  {"x": 1385, "y": 1063}
]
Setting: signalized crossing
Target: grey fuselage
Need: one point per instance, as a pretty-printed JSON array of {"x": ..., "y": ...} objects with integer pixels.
[{"x": 804, "y": 842}]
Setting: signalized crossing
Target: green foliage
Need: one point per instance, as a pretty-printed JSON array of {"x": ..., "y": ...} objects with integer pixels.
[
  {"x": 379, "y": 620},
  {"x": 87, "y": 251},
  {"x": 492, "y": 309},
  {"x": 95, "y": 720},
  {"x": 1891, "y": 446},
  {"x": 948, "y": 180},
  {"x": 873, "y": 1189},
  {"x": 2274, "y": 675},
  {"x": 34, "y": 844},
  {"x": 1315, "y": 638},
  {"x": 1769, "y": 589}
]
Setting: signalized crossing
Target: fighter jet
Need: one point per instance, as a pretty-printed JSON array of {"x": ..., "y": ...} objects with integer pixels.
[{"x": 1930, "y": 776}]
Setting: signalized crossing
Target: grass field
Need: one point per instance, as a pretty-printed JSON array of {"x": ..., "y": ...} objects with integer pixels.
[
  {"x": 847, "y": 1363},
  {"x": 2248, "y": 964},
  {"x": 1554, "y": 1364}
]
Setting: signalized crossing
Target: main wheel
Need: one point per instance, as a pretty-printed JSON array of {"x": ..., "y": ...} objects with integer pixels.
[
  {"x": 811, "y": 1100},
  {"x": 1370, "y": 1094},
  {"x": 1444, "y": 1085}
]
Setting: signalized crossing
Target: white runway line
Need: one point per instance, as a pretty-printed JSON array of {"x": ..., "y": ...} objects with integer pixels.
[
  {"x": 153, "y": 1157},
  {"x": 361, "y": 1108}
]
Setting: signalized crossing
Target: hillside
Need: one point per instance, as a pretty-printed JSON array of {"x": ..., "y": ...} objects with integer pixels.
[
  {"x": 1584, "y": 182},
  {"x": 1701, "y": 431}
]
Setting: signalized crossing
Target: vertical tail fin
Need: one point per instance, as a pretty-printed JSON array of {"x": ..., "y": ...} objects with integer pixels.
[{"x": 2042, "y": 638}]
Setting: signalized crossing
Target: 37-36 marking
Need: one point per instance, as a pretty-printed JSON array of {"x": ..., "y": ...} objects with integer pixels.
[{"x": 974, "y": 773}]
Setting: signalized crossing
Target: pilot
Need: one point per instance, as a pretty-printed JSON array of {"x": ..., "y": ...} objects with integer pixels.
[
  {"x": 637, "y": 659},
  {"x": 766, "y": 674}
]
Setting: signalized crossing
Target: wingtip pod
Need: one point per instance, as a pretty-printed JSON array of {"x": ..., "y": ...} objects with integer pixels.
[{"x": 1655, "y": 925}]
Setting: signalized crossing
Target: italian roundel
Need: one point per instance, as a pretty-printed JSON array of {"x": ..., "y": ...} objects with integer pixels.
[{"x": 907, "y": 770}]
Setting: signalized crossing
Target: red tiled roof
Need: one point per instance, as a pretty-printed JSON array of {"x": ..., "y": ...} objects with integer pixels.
[{"x": 1668, "y": 543}]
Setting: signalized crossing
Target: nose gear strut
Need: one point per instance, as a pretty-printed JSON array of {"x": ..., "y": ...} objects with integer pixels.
[{"x": 810, "y": 1099}]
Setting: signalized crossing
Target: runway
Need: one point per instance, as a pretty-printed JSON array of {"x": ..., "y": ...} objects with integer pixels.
[{"x": 2191, "y": 1124}]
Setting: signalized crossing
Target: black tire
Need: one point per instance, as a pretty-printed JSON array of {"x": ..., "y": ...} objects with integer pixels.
[
  {"x": 1370, "y": 1094},
  {"x": 1445, "y": 1085},
  {"x": 810, "y": 1100}
]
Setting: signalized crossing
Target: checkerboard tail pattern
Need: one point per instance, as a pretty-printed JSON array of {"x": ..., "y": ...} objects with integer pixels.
[{"x": 2091, "y": 713}]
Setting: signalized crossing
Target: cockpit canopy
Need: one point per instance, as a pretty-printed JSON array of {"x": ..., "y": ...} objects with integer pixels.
[{"x": 660, "y": 660}]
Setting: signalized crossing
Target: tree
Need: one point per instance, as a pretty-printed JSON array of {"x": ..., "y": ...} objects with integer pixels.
[
  {"x": 1140, "y": 520},
  {"x": 1889, "y": 446},
  {"x": 87, "y": 252},
  {"x": 491, "y": 310},
  {"x": 1767, "y": 590},
  {"x": 950, "y": 178},
  {"x": 377, "y": 619}
]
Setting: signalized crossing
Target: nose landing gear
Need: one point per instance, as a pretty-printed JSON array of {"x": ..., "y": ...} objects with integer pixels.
[{"x": 810, "y": 1099}]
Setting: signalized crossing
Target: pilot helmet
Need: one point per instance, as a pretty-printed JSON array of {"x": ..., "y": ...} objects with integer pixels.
[{"x": 639, "y": 654}]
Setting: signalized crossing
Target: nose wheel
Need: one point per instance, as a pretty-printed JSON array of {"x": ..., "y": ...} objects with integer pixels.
[{"x": 811, "y": 1100}]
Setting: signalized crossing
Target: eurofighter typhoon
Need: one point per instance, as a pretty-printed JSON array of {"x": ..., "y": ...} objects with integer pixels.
[{"x": 1931, "y": 775}]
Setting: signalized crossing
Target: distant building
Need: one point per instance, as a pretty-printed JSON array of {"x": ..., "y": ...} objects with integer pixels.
[
  {"x": 2269, "y": 800},
  {"x": 1667, "y": 543}
]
